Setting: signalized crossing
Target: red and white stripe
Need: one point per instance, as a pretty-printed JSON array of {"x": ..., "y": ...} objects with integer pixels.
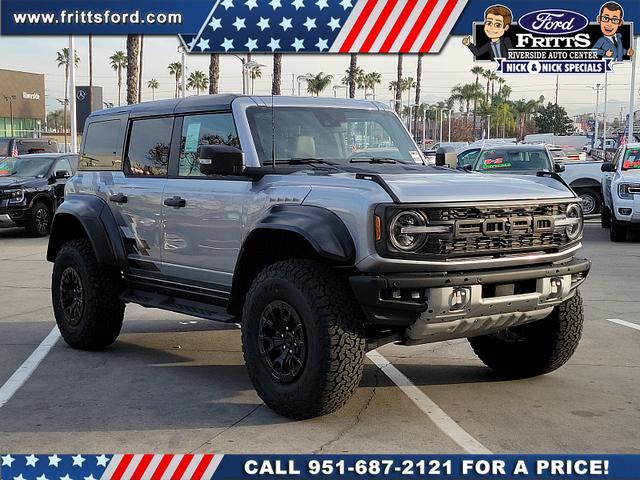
[
  {"x": 162, "y": 467},
  {"x": 398, "y": 26}
]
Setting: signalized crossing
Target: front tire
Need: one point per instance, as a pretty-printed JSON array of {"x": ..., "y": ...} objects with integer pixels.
[
  {"x": 86, "y": 300},
  {"x": 302, "y": 337},
  {"x": 39, "y": 221},
  {"x": 618, "y": 232},
  {"x": 535, "y": 348}
]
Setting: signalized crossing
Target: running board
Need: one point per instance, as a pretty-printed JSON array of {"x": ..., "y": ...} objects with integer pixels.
[{"x": 178, "y": 305}]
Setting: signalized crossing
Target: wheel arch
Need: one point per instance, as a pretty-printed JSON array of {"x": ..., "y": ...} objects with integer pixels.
[
  {"x": 287, "y": 232},
  {"x": 586, "y": 183}
]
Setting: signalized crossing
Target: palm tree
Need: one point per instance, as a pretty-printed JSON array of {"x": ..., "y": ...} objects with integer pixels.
[
  {"x": 133, "y": 68},
  {"x": 214, "y": 73},
  {"x": 153, "y": 84},
  {"x": 276, "y": 81},
  {"x": 407, "y": 84},
  {"x": 119, "y": 63},
  {"x": 465, "y": 94},
  {"x": 317, "y": 83},
  {"x": 141, "y": 69},
  {"x": 418, "y": 92},
  {"x": 372, "y": 79},
  {"x": 198, "y": 81},
  {"x": 477, "y": 71},
  {"x": 394, "y": 86},
  {"x": 352, "y": 74},
  {"x": 175, "y": 69},
  {"x": 254, "y": 73},
  {"x": 398, "y": 90},
  {"x": 62, "y": 59}
]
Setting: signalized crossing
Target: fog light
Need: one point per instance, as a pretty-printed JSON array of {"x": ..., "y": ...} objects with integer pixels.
[
  {"x": 556, "y": 287},
  {"x": 459, "y": 298},
  {"x": 625, "y": 211}
]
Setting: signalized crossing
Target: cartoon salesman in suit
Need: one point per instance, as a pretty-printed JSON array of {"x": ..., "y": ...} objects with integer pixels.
[
  {"x": 610, "y": 45},
  {"x": 497, "y": 19}
]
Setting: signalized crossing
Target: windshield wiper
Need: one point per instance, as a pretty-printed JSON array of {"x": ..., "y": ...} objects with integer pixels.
[
  {"x": 298, "y": 161},
  {"x": 372, "y": 160}
]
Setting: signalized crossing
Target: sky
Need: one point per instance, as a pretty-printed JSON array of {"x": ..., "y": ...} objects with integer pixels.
[{"x": 440, "y": 72}]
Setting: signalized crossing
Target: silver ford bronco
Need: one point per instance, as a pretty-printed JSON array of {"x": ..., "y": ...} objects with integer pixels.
[{"x": 316, "y": 224}]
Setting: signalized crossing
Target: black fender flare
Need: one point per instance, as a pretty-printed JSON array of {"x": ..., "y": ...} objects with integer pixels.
[
  {"x": 322, "y": 228},
  {"x": 99, "y": 225},
  {"x": 586, "y": 183}
]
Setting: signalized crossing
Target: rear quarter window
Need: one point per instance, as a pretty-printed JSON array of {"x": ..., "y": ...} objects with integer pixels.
[{"x": 102, "y": 146}]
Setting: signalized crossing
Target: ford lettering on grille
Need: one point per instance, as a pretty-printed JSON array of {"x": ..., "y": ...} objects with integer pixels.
[{"x": 503, "y": 226}]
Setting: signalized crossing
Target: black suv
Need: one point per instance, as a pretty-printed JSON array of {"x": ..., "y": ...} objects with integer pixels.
[
  {"x": 31, "y": 188},
  {"x": 12, "y": 147}
]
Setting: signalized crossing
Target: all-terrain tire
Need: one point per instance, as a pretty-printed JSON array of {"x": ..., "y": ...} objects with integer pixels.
[
  {"x": 39, "y": 220},
  {"x": 605, "y": 217},
  {"x": 535, "y": 348},
  {"x": 94, "y": 321},
  {"x": 591, "y": 200},
  {"x": 618, "y": 231},
  {"x": 332, "y": 329}
]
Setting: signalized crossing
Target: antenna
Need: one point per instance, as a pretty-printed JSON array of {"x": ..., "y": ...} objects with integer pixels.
[{"x": 273, "y": 135}]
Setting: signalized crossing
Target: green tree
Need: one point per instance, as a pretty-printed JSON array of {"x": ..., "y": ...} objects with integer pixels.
[
  {"x": 318, "y": 82},
  {"x": 153, "y": 84},
  {"x": 553, "y": 119},
  {"x": 197, "y": 81},
  {"x": 119, "y": 63},
  {"x": 175, "y": 69},
  {"x": 371, "y": 80},
  {"x": 133, "y": 68},
  {"x": 465, "y": 94},
  {"x": 63, "y": 60}
]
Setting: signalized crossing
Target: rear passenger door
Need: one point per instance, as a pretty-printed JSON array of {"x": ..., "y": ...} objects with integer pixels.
[{"x": 203, "y": 215}]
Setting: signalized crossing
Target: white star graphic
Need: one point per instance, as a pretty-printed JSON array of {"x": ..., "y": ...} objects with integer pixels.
[
  {"x": 251, "y": 4},
  {"x": 66, "y": 477},
  {"x": 32, "y": 460},
  {"x": 7, "y": 460},
  {"x": 54, "y": 460},
  {"x": 42, "y": 477},
  {"x": 203, "y": 44},
  {"x": 19, "y": 477},
  {"x": 227, "y": 4},
  {"x": 192, "y": 43},
  {"x": 227, "y": 44},
  {"x": 78, "y": 460},
  {"x": 298, "y": 44},
  {"x": 322, "y": 4},
  {"x": 334, "y": 23},
  {"x": 274, "y": 44},
  {"x": 346, "y": 4},
  {"x": 90, "y": 477},
  {"x": 251, "y": 44},
  {"x": 286, "y": 23},
  {"x": 298, "y": 4},
  {"x": 239, "y": 24},
  {"x": 102, "y": 460},
  {"x": 215, "y": 23},
  {"x": 263, "y": 24},
  {"x": 310, "y": 24},
  {"x": 275, "y": 4},
  {"x": 322, "y": 44}
]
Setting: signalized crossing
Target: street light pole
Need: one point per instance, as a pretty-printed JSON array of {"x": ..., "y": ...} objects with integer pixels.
[
  {"x": 72, "y": 95},
  {"x": 10, "y": 99},
  {"x": 449, "y": 117},
  {"x": 488, "y": 126},
  {"x": 632, "y": 93},
  {"x": 597, "y": 89},
  {"x": 604, "y": 113},
  {"x": 441, "y": 121},
  {"x": 424, "y": 126}
]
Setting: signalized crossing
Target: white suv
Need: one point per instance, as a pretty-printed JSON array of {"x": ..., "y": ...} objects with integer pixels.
[{"x": 621, "y": 192}]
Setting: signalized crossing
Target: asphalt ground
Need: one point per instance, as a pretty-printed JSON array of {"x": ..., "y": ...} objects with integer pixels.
[{"x": 173, "y": 383}]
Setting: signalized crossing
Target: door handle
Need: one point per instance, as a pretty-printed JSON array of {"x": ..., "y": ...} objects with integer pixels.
[
  {"x": 177, "y": 202},
  {"x": 118, "y": 198}
]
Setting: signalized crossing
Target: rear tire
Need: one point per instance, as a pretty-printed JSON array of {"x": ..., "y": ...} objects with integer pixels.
[
  {"x": 303, "y": 340},
  {"x": 535, "y": 348},
  {"x": 618, "y": 232},
  {"x": 605, "y": 217},
  {"x": 39, "y": 220},
  {"x": 591, "y": 201},
  {"x": 86, "y": 299}
]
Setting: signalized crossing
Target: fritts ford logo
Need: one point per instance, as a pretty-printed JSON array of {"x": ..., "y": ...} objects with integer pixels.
[{"x": 553, "y": 40}]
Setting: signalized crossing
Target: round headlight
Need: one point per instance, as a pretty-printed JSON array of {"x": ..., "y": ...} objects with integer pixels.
[
  {"x": 404, "y": 230},
  {"x": 574, "y": 212}
]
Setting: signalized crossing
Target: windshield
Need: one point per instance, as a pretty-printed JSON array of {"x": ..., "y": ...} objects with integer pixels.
[
  {"x": 4, "y": 148},
  {"x": 631, "y": 159},
  {"x": 512, "y": 160},
  {"x": 333, "y": 135},
  {"x": 25, "y": 167}
]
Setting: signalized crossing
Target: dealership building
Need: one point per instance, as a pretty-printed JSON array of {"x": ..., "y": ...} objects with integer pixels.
[{"x": 21, "y": 99}]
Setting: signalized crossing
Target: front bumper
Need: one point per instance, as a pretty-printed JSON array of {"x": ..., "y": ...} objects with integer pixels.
[
  {"x": 441, "y": 306},
  {"x": 12, "y": 215}
]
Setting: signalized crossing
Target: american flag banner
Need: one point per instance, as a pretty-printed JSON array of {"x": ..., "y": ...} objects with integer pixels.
[
  {"x": 335, "y": 26},
  {"x": 109, "y": 467}
]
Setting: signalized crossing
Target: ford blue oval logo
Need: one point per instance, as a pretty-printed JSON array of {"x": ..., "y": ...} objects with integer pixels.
[{"x": 553, "y": 22}]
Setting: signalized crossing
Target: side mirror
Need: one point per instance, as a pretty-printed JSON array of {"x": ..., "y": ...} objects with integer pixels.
[
  {"x": 62, "y": 174},
  {"x": 221, "y": 160},
  {"x": 608, "y": 167},
  {"x": 468, "y": 168},
  {"x": 559, "y": 167}
]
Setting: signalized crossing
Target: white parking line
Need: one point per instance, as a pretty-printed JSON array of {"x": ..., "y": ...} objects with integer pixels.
[
  {"x": 624, "y": 323},
  {"x": 22, "y": 374},
  {"x": 443, "y": 421}
]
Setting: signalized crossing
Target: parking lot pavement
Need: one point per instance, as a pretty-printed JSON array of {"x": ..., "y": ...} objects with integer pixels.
[{"x": 174, "y": 383}]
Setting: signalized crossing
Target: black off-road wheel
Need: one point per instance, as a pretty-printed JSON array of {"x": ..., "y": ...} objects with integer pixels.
[
  {"x": 535, "y": 348},
  {"x": 605, "y": 217},
  {"x": 86, "y": 300},
  {"x": 302, "y": 336},
  {"x": 618, "y": 231},
  {"x": 39, "y": 220}
]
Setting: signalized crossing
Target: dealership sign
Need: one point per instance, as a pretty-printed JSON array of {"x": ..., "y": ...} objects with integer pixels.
[{"x": 30, "y": 96}]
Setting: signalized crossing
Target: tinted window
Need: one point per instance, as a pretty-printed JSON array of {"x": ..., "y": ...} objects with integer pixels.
[
  {"x": 27, "y": 147},
  {"x": 4, "y": 147},
  {"x": 216, "y": 129},
  {"x": 63, "y": 165},
  {"x": 102, "y": 147},
  {"x": 468, "y": 158},
  {"x": 149, "y": 142},
  {"x": 26, "y": 166},
  {"x": 506, "y": 160}
]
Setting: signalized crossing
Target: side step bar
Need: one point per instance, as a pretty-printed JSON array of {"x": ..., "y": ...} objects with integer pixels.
[{"x": 178, "y": 305}]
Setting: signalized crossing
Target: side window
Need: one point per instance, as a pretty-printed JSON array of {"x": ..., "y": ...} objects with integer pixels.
[
  {"x": 198, "y": 130},
  {"x": 148, "y": 150},
  {"x": 63, "y": 164},
  {"x": 468, "y": 158},
  {"x": 102, "y": 147}
]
